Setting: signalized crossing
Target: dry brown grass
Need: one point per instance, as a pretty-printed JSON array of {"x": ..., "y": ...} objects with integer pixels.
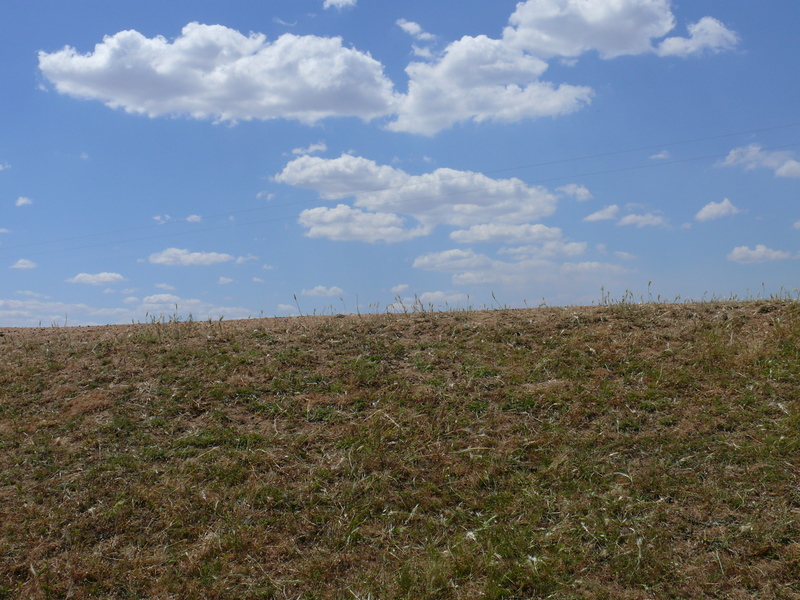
[{"x": 625, "y": 451}]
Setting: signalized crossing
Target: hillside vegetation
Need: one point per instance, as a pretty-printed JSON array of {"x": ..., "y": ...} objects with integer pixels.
[{"x": 634, "y": 451}]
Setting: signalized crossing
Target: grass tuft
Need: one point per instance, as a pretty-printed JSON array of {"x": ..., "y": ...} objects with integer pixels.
[{"x": 625, "y": 450}]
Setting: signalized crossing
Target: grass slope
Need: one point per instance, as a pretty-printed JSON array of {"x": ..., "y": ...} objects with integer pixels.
[{"x": 632, "y": 451}]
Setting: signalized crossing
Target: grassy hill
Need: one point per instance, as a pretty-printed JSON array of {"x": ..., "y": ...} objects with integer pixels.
[{"x": 634, "y": 451}]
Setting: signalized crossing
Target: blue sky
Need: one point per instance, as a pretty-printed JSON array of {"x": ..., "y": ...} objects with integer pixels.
[{"x": 248, "y": 158}]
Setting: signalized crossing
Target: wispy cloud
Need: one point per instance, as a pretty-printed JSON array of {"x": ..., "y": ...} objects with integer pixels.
[
  {"x": 604, "y": 214},
  {"x": 753, "y": 157},
  {"x": 646, "y": 220},
  {"x": 311, "y": 149},
  {"x": 415, "y": 30},
  {"x": 96, "y": 279},
  {"x": 23, "y": 201},
  {"x": 183, "y": 257}
]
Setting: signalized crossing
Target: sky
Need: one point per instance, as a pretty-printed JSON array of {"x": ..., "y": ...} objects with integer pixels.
[{"x": 281, "y": 157}]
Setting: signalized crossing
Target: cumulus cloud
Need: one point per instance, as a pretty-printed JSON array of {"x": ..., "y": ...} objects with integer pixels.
[
  {"x": 759, "y": 254},
  {"x": 211, "y": 71},
  {"x": 322, "y": 291},
  {"x": 579, "y": 192},
  {"x": 194, "y": 219},
  {"x": 604, "y": 214},
  {"x": 753, "y": 157},
  {"x": 344, "y": 223},
  {"x": 717, "y": 210},
  {"x": 225, "y": 280},
  {"x": 340, "y": 4},
  {"x": 23, "y": 201},
  {"x": 443, "y": 197},
  {"x": 479, "y": 79},
  {"x": 568, "y": 28},
  {"x": 707, "y": 35},
  {"x": 24, "y": 263},
  {"x": 96, "y": 279},
  {"x": 183, "y": 257},
  {"x": 4, "y": 166},
  {"x": 646, "y": 220}
]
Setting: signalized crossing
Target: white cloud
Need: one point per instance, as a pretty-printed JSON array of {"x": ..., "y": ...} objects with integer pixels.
[
  {"x": 646, "y": 220},
  {"x": 182, "y": 257},
  {"x": 399, "y": 289},
  {"x": 508, "y": 234},
  {"x": 258, "y": 280},
  {"x": 569, "y": 28},
  {"x": 5, "y": 231},
  {"x": 604, "y": 214},
  {"x": 4, "y": 166},
  {"x": 211, "y": 71},
  {"x": 311, "y": 149},
  {"x": 579, "y": 192},
  {"x": 453, "y": 261},
  {"x": 43, "y": 311},
  {"x": 550, "y": 249},
  {"x": 438, "y": 299},
  {"x": 24, "y": 263},
  {"x": 340, "y": 4},
  {"x": 323, "y": 291},
  {"x": 414, "y": 30},
  {"x": 162, "y": 219},
  {"x": 707, "y": 34},
  {"x": 752, "y": 157},
  {"x": 716, "y": 210},
  {"x": 421, "y": 52},
  {"x": 443, "y": 197},
  {"x": 194, "y": 219},
  {"x": 797, "y": 225},
  {"x": 663, "y": 155},
  {"x": 287, "y": 308},
  {"x": 344, "y": 223},
  {"x": 169, "y": 304},
  {"x": 759, "y": 254},
  {"x": 165, "y": 286},
  {"x": 97, "y": 279},
  {"x": 470, "y": 268},
  {"x": 246, "y": 259},
  {"x": 23, "y": 201},
  {"x": 481, "y": 79},
  {"x": 225, "y": 280}
]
